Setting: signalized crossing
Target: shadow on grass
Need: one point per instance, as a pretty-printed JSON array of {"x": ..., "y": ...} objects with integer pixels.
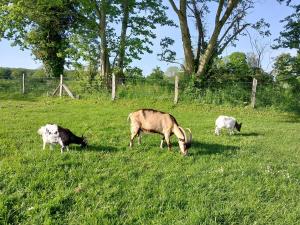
[
  {"x": 19, "y": 97},
  {"x": 201, "y": 148},
  {"x": 254, "y": 134},
  {"x": 99, "y": 148},
  {"x": 291, "y": 119}
]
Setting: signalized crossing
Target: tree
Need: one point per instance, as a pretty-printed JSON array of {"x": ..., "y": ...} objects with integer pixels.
[
  {"x": 237, "y": 64},
  {"x": 287, "y": 68},
  {"x": 237, "y": 67},
  {"x": 258, "y": 49},
  {"x": 228, "y": 25},
  {"x": 185, "y": 34},
  {"x": 39, "y": 73},
  {"x": 5, "y": 73},
  {"x": 133, "y": 73},
  {"x": 43, "y": 27},
  {"x": 287, "y": 74},
  {"x": 18, "y": 72},
  {"x": 172, "y": 71},
  {"x": 290, "y": 37},
  {"x": 136, "y": 19},
  {"x": 156, "y": 74},
  {"x": 231, "y": 68}
]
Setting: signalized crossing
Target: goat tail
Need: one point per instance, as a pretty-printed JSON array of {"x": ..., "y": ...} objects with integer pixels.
[
  {"x": 40, "y": 131},
  {"x": 128, "y": 118}
]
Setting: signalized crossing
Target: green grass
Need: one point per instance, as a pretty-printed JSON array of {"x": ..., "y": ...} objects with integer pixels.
[{"x": 248, "y": 178}]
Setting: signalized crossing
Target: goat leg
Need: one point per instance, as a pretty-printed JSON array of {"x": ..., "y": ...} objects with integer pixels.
[
  {"x": 162, "y": 143},
  {"x": 167, "y": 138},
  {"x": 139, "y": 137},
  {"x": 133, "y": 135}
]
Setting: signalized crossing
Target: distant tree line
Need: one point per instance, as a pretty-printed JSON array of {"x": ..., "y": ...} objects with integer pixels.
[
  {"x": 17, "y": 73},
  {"x": 237, "y": 67},
  {"x": 12, "y": 73}
]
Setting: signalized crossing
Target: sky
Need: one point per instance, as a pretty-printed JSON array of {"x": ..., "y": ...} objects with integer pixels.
[{"x": 270, "y": 10}]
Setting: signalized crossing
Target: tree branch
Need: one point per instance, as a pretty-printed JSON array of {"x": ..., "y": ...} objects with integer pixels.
[
  {"x": 97, "y": 8},
  {"x": 218, "y": 14},
  {"x": 174, "y": 6},
  {"x": 232, "y": 37},
  {"x": 237, "y": 18},
  {"x": 183, "y": 4},
  {"x": 199, "y": 25},
  {"x": 231, "y": 5}
]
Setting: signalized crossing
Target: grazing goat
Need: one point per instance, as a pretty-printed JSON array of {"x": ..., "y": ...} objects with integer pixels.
[
  {"x": 54, "y": 134},
  {"x": 153, "y": 121},
  {"x": 227, "y": 122}
]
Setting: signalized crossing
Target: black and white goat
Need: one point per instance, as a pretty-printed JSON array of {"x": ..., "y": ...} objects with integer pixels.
[
  {"x": 153, "y": 121},
  {"x": 54, "y": 134},
  {"x": 227, "y": 122}
]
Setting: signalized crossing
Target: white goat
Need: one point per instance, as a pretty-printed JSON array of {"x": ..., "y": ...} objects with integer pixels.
[{"x": 227, "y": 122}]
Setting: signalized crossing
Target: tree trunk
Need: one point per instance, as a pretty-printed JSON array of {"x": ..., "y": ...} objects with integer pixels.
[
  {"x": 200, "y": 42},
  {"x": 187, "y": 44},
  {"x": 104, "y": 56},
  {"x": 208, "y": 53},
  {"x": 185, "y": 35},
  {"x": 122, "y": 46}
]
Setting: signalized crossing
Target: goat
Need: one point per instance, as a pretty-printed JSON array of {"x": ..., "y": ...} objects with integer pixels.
[
  {"x": 153, "y": 121},
  {"x": 227, "y": 122},
  {"x": 54, "y": 134}
]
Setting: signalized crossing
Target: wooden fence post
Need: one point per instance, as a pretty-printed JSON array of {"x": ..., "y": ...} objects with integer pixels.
[
  {"x": 113, "y": 87},
  {"x": 23, "y": 84},
  {"x": 253, "y": 98},
  {"x": 61, "y": 85},
  {"x": 176, "y": 90}
]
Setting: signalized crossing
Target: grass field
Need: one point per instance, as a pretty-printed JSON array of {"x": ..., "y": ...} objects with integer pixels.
[{"x": 249, "y": 178}]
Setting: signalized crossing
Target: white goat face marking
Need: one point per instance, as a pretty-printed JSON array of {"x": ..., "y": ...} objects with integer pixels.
[{"x": 50, "y": 134}]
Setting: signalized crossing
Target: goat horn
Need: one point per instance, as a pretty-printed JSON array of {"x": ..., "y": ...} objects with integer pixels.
[
  {"x": 191, "y": 136},
  {"x": 184, "y": 134}
]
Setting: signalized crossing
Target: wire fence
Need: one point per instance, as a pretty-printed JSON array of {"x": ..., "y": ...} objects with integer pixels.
[{"x": 162, "y": 89}]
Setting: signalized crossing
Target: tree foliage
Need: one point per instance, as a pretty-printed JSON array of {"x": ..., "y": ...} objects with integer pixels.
[
  {"x": 42, "y": 26},
  {"x": 287, "y": 68},
  {"x": 237, "y": 64},
  {"x": 290, "y": 36},
  {"x": 237, "y": 67},
  {"x": 156, "y": 74}
]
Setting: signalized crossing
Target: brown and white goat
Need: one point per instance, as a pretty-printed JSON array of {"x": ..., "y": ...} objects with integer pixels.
[{"x": 153, "y": 121}]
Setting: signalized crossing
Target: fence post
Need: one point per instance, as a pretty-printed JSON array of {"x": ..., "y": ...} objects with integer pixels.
[
  {"x": 113, "y": 87},
  {"x": 176, "y": 90},
  {"x": 23, "y": 84},
  {"x": 253, "y": 98},
  {"x": 61, "y": 85}
]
